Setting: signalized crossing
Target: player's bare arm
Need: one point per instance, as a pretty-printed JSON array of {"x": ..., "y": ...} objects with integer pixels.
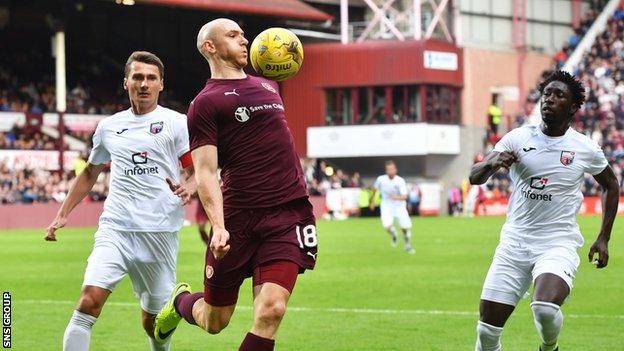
[
  {"x": 610, "y": 198},
  {"x": 481, "y": 171},
  {"x": 209, "y": 191},
  {"x": 78, "y": 190},
  {"x": 187, "y": 187},
  {"x": 372, "y": 201},
  {"x": 399, "y": 197}
]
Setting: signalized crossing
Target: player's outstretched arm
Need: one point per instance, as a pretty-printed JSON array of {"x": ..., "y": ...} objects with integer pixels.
[
  {"x": 610, "y": 199},
  {"x": 481, "y": 171},
  {"x": 78, "y": 190},
  {"x": 206, "y": 165}
]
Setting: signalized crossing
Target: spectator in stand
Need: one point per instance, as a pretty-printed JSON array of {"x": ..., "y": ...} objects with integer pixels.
[
  {"x": 356, "y": 181},
  {"x": 413, "y": 199},
  {"x": 341, "y": 178},
  {"x": 80, "y": 163},
  {"x": 454, "y": 201},
  {"x": 561, "y": 56},
  {"x": 494, "y": 117}
]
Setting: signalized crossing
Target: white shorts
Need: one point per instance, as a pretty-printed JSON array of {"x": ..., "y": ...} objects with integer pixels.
[
  {"x": 389, "y": 213},
  {"x": 514, "y": 267},
  {"x": 148, "y": 258}
]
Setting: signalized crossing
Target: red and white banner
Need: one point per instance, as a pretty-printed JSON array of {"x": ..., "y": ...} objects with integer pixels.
[
  {"x": 75, "y": 122},
  {"x": 31, "y": 159},
  {"x": 591, "y": 205}
]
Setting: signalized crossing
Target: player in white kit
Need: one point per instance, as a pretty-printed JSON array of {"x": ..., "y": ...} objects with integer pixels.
[
  {"x": 538, "y": 242},
  {"x": 138, "y": 229},
  {"x": 393, "y": 205}
]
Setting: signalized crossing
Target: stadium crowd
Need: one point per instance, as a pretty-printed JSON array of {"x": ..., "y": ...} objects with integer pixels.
[
  {"x": 602, "y": 116},
  {"x": 18, "y": 139},
  {"x": 40, "y": 186},
  {"x": 32, "y": 90}
]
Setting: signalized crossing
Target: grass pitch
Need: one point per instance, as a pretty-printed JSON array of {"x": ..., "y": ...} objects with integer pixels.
[{"x": 363, "y": 294}]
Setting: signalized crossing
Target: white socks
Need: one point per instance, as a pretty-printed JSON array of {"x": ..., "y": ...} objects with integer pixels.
[
  {"x": 78, "y": 332},
  {"x": 548, "y": 321},
  {"x": 392, "y": 232},
  {"x": 407, "y": 237},
  {"x": 154, "y": 346},
  {"x": 488, "y": 337}
]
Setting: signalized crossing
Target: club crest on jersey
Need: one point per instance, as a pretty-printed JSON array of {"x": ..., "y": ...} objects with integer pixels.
[
  {"x": 242, "y": 114},
  {"x": 268, "y": 87},
  {"x": 156, "y": 127},
  {"x": 567, "y": 157}
]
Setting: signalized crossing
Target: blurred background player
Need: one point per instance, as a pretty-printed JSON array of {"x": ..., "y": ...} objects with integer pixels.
[
  {"x": 138, "y": 230},
  {"x": 393, "y": 190},
  {"x": 262, "y": 223},
  {"x": 540, "y": 237}
]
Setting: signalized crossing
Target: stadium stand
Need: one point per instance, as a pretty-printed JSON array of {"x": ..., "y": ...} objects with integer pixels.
[
  {"x": 602, "y": 117},
  {"x": 39, "y": 186}
]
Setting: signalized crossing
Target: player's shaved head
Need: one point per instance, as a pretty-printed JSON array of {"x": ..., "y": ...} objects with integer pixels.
[{"x": 209, "y": 32}]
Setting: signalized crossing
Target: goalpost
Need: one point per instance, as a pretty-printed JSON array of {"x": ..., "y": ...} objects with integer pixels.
[{"x": 58, "y": 45}]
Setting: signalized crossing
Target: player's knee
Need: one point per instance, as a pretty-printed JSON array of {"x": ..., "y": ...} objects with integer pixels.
[
  {"x": 214, "y": 329},
  {"x": 545, "y": 312},
  {"x": 217, "y": 322},
  {"x": 90, "y": 304},
  {"x": 272, "y": 311},
  {"x": 217, "y": 326}
]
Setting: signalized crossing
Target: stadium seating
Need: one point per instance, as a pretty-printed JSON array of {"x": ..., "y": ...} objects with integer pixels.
[{"x": 602, "y": 117}]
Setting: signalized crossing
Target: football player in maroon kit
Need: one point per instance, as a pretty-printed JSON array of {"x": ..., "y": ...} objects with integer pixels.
[{"x": 262, "y": 222}]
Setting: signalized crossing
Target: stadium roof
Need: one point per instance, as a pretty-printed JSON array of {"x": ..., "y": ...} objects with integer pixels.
[{"x": 295, "y": 9}]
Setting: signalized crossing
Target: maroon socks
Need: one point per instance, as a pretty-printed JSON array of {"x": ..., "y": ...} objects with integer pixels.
[
  {"x": 254, "y": 342},
  {"x": 184, "y": 305}
]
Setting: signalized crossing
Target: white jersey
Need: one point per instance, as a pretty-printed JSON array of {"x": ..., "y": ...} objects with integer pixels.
[
  {"x": 548, "y": 177},
  {"x": 389, "y": 188},
  {"x": 144, "y": 149}
]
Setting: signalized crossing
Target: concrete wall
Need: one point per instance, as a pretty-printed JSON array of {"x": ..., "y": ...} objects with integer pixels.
[
  {"x": 486, "y": 71},
  {"x": 489, "y": 24}
]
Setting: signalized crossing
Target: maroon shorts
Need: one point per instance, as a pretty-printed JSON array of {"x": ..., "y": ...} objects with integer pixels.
[
  {"x": 259, "y": 237},
  {"x": 200, "y": 214}
]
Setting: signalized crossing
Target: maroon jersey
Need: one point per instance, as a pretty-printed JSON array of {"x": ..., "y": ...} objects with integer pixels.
[{"x": 244, "y": 119}]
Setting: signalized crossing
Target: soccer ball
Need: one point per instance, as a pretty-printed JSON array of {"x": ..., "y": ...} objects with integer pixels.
[{"x": 276, "y": 54}]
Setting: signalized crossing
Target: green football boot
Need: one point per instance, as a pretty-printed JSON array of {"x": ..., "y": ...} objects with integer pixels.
[{"x": 168, "y": 318}]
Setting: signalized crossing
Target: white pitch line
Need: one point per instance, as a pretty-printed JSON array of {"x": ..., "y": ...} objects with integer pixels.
[{"x": 334, "y": 310}]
